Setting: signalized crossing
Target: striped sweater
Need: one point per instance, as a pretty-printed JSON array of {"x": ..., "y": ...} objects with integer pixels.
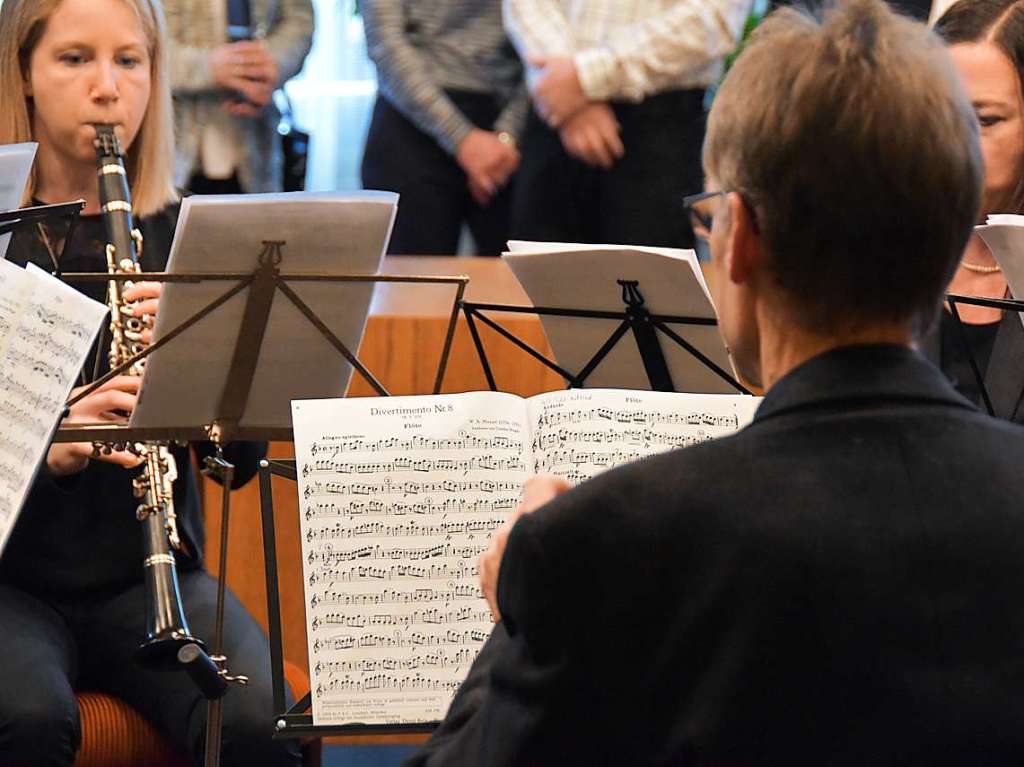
[{"x": 422, "y": 48}]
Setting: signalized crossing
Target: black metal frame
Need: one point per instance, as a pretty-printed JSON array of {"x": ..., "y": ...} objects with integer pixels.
[
  {"x": 18, "y": 218},
  {"x": 264, "y": 282},
  {"x": 295, "y": 722},
  {"x": 1006, "y": 304},
  {"x": 634, "y": 317}
]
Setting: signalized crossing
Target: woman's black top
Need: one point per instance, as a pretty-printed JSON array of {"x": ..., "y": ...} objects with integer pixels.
[
  {"x": 956, "y": 362},
  {"x": 79, "y": 533},
  {"x": 998, "y": 351}
]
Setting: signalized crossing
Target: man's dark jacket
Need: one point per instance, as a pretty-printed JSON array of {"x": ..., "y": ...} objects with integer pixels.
[{"x": 840, "y": 583}]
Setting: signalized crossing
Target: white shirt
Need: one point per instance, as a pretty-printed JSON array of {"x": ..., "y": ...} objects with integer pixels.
[{"x": 630, "y": 49}]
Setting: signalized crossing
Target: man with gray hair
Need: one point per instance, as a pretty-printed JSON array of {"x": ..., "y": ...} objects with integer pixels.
[{"x": 838, "y": 583}]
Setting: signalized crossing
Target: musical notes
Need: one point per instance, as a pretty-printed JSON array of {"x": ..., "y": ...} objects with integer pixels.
[
  {"x": 440, "y": 658},
  {"x": 578, "y": 435},
  {"x": 643, "y": 438},
  {"x": 451, "y": 593},
  {"x": 393, "y": 523},
  {"x": 413, "y": 528},
  {"x": 637, "y": 417},
  {"x": 428, "y": 506},
  {"x": 374, "y": 683},
  {"x": 332, "y": 447},
  {"x": 487, "y": 462},
  {"x": 412, "y": 554},
  {"x": 46, "y": 329},
  {"x": 388, "y": 487}
]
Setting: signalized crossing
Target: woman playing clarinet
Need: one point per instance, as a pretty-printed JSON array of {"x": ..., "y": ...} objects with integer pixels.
[{"x": 72, "y": 593}]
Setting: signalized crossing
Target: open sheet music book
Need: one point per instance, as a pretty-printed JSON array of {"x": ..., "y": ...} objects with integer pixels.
[
  {"x": 399, "y": 496},
  {"x": 585, "y": 277},
  {"x": 46, "y": 331}
]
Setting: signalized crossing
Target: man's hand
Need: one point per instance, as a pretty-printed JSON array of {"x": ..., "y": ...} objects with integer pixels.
[
  {"x": 592, "y": 136},
  {"x": 112, "y": 402},
  {"x": 147, "y": 294},
  {"x": 557, "y": 93},
  {"x": 248, "y": 69},
  {"x": 488, "y": 163},
  {"x": 536, "y": 492}
]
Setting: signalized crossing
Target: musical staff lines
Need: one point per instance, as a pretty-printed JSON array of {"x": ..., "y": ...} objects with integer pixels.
[
  {"x": 486, "y": 462},
  {"x": 579, "y": 435},
  {"x": 637, "y": 417},
  {"x": 392, "y": 527},
  {"x": 389, "y": 487},
  {"x": 45, "y": 331},
  {"x": 413, "y": 528},
  {"x": 332, "y": 447}
]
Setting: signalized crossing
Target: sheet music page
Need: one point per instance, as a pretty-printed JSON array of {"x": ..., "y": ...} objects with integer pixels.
[
  {"x": 15, "y": 166},
  {"x": 398, "y": 498},
  {"x": 683, "y": 254},
  {"x": 46, "y": 330},
  {"x": 582, "y": 432},
  {"x": 331, "y": 233},
  {"x": 585, "y": 277}
]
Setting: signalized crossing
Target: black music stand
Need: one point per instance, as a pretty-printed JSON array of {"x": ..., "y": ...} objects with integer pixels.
[
  {"x": 634, "y": 317},
  {"x": 23, "y": 218},
  {"x": 1006, "y": 304},
  {"x": 263, "y": 284}
]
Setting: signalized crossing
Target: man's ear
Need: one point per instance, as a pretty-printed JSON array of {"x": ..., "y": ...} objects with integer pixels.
[{"x": 744, "y": 250}]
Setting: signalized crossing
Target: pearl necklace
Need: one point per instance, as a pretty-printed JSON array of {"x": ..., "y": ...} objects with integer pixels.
[{"x": 980, "y": 268}]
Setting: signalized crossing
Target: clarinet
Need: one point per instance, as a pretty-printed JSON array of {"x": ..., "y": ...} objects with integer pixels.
[{"x": 166, "y": 628}]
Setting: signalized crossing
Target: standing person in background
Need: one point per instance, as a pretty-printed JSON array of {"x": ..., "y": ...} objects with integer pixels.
[
  {"x": 447, "y": 121},
  {"x": 986, "y": 40},
  {"x": 614, "y": 140},
  {"x": 223, "y": 76}
]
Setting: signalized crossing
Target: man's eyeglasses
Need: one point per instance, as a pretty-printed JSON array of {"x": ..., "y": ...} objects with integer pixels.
[{"x": 701, "y": 208}]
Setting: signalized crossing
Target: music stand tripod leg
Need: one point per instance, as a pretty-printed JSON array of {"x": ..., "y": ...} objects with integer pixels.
[{"x": 225, "y": 472}]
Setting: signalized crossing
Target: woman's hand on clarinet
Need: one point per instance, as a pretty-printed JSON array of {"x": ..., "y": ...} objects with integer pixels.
[
  {"x": 147, "y": 296},
  {"x": 111, "y": 403}
]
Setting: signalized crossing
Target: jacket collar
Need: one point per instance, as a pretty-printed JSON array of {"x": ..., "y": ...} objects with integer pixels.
[{"x": 860, "y": 374}]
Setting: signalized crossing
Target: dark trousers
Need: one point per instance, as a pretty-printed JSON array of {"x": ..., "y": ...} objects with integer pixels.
[
  {"x": 434, "y": 199},
  {"x": 636, "y": 202},
  {"x": 52, "y": 648}
]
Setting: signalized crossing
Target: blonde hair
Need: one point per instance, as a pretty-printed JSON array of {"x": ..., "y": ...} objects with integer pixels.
[
  {"x": 149, "y": 160},
  {"x": 850, "y": 137}
]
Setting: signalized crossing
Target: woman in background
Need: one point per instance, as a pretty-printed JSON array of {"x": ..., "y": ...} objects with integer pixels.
[
  {"x": 986, "y": 40},
  {"x": 72, "y": 600}
]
